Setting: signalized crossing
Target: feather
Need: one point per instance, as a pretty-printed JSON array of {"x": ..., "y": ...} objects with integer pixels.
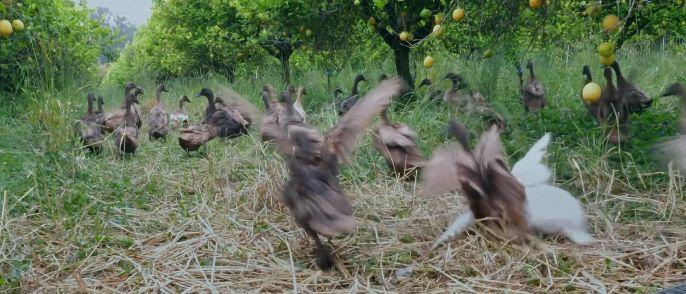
[
  {"x": 459, "y": 225},
  {"x": 341, "y": 140},
  {"x": 530, "y": 170},
  {"x": 550, "y": 210}
]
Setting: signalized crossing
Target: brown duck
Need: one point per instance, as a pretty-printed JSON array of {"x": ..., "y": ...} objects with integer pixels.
[
  {"x": 158, "y": 122},
  {"x": 635, "y": 99},
  {"x": 433, "y": 94},
  {"x": 191, "y": 138},
  {"x": 482, "y": 174},
  {"x": 397, "y": 143},
  {"x": 229, "y": 124},
  {"x": 89, "y": 129},
  {"x": 114, "y": 119},
  {"x": 313, "y": 193},
  {"x": 453, "y": 95},
  {"x": 126, "y": 134},
  {"x": 533, "y": 94}
]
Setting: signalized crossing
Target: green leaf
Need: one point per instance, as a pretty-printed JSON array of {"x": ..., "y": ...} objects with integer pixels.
[{"x": 380, "y": 3}]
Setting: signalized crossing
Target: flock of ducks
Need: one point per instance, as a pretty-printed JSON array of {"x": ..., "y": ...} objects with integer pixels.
[{"x": 511, "y": 203}]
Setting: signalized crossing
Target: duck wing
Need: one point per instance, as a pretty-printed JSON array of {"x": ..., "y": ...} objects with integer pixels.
[{"x": 342, "y": 138}]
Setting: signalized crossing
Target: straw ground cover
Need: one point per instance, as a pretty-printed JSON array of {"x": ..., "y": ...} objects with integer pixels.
[{"x": 166, "y": 222}]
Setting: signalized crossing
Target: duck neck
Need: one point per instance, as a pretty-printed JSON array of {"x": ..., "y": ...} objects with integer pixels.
[
  {"x": 90, "y": 105},
  {"x": 299, "y": 97},
  {"x": 267, "y": 102},
  {"x": 618, "y": 72},
  {"x": 610, "y": 86},
  {"x": 384, "y": 115},
  {"x": 589, "y": 78},
  {"x": 456, "y": 84},
  {"x": 532, "y": 76},
  {"x": 158, "y": 95},
  {"x": 181, "y": 105},
  {"x": 100, "y": 105},
  {"x": 289, "y": 103},
  {"x": 355, "y": 86},
  {"x": 128, "y": 115}
]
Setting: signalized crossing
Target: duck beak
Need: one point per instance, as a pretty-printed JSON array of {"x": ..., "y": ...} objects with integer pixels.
[{"x": 198, "y": 95}]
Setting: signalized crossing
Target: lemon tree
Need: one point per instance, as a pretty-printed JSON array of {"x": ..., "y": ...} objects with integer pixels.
[{"x": 71, "y": 40}]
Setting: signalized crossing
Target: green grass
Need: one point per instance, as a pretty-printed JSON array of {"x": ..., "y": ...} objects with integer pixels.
[{"x": 165, "y": 220}]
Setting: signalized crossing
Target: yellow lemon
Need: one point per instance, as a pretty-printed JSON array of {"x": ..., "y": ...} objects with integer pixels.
[
  {"x": 458, "y": 14},
  {"x": 5, "y": 28},
  {"x": 535, "y": 4},
  {"x": 606, "y": 60},
  {"x": 405, "y": 36},
  {"x": 606, "y": 49},
  {"x": 611, "y": 23},
  {"x": 428, "y": 61},
  {"x": 591, "y": 92}
]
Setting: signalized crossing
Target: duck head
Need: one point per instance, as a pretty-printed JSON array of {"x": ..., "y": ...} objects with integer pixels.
[
  {"x": 676, "y": 89},
  {"x": 207, "y": 93},
  {"x": 424, "y": 82}
]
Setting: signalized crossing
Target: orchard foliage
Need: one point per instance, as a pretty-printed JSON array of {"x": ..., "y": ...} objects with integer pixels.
[
  {"x": 185, "y": 37},
  {"x": 60, "y": 41}
]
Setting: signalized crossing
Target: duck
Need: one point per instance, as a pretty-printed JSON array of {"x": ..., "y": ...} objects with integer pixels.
[
  {"x": 348, "y": 103},
  {"x": 89, "y": 129},
  {"x": 397, "y": 143},
  {"x": 229, "y": 122},
  {"x": 614, "y": 111},
  {"x": 158, "y": 121},
  {"x": 533, "y": 93},
  {"x": 179, "y": 118},
  {"x": 511, "y": 203},
  {"x": 674, "y": 149},
  {"x": 191, "y": 138},
  {"x": 478, "y": 104},
  {"x": 126, "y": 134},
  {"x": 114, "y": 119},
  {"x": 482, "y": 175},
  {"x": 635, "y": 98},
  {"x": 313, "y": 193},
  {"x": 453, "y": 95},
  {"x": 433, "y": 94}
]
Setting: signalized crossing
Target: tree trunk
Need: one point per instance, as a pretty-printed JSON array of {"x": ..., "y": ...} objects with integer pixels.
[
  {"x": 402, "y": 64},
  {"x": 231, "y": 74},
  {"x": 286, "y": 66}
]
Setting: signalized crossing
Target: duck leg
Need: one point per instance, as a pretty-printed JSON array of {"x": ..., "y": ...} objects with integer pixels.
[{"x": 323, "y": 253}]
